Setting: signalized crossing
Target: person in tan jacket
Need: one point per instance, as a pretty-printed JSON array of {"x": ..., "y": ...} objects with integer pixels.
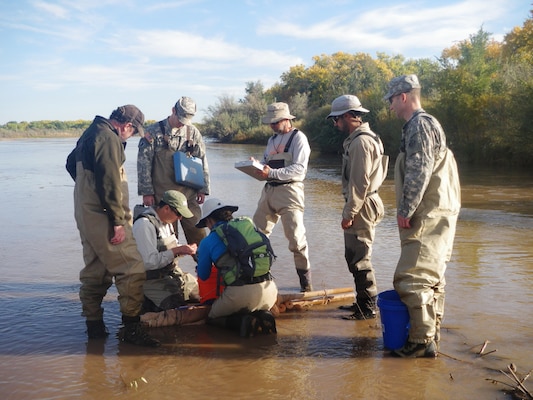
[{"x": 364, "y": 168}]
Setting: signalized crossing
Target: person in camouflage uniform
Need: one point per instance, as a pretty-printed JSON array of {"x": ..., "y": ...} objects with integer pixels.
[
  {"x": 428, "y": 197},
  {"x": 155, "y": 165}
]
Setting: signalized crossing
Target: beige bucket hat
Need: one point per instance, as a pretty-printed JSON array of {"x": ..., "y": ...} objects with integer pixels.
[{"x": 277, "y": 112}]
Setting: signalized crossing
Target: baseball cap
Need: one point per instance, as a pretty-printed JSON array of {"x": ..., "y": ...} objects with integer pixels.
[
  {"x": 185, "y": 109},
  {"x": 177, "y": 201},
  {"x": 402, "y": 84},
  {"x": 130, "y": 113}
]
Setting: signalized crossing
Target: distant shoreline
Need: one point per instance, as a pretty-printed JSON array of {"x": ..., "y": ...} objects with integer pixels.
[{"x": 34, "y": 134}]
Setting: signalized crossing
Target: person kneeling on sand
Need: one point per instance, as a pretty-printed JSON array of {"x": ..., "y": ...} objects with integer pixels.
[{"x": 245, "y": 302}]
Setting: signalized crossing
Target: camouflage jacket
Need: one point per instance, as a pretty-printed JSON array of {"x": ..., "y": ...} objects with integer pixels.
[
  {"x": 186, "y": 139},
  {"x": 424, "y": 143}
]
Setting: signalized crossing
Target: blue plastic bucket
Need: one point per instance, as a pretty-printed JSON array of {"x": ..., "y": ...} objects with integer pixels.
[{"x": 394, "y": 319}]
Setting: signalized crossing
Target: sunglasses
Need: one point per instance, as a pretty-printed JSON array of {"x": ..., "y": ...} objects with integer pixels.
[{"x": 175, "y": 211}]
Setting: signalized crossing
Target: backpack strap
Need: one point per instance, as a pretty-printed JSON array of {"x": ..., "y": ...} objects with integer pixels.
[
  {"x": 152, "y": 220},
  {"x": 375, "y": 136}
]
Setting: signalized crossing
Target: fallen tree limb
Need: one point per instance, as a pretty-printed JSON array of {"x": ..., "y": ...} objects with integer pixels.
[
  {"x": 299, "y": 304},
  {"x": 175, "y": 316},
  {"x": 282, "y": 298}
]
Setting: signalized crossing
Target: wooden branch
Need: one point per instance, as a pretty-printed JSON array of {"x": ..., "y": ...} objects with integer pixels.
[
  {"x": 282, "y": 298},
  {"x": 519, "y": 382}
]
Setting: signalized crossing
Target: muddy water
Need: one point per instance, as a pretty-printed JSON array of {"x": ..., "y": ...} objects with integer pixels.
[{"x": 44, "y": 353}]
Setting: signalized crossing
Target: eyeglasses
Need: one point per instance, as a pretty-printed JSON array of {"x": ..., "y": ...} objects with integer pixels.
[
  {"x": 336, "y": 118},
  {"x": 396, "y": 95},
  {"x": 175, "y": 211},
  {"x": 275, "y": 123},
  {"x": 135, "y": 130}
]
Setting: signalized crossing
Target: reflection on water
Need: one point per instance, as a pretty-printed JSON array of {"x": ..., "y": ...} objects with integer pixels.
[{"x": 316, "y": 355}]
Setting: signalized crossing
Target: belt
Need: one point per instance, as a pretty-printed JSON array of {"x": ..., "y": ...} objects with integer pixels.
[
  {"x": 255, "y": 279},
  {"x": 274, "y": 183},
  {"x": 158, "y": 273},
  {"x": 371, "y": 193}
]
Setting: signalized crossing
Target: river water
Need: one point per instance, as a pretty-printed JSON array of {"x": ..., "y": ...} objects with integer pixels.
[{"x": 44, "y": 353}]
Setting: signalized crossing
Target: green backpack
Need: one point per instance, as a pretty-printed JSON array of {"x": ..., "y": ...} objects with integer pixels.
[{"x": 249, "y": 248}]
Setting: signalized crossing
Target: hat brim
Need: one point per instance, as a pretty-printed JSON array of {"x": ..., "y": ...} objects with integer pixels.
[
  {"x": 185, "y": 212},
  {"x": 185, "y": 120},
  {"x": 140, "y": 131},
  {"x": 269, "y": 120},
  {"x": 389, "y": 95},
  {"x": 341, "y": 112},
  {"x": 201, "y": 223}
]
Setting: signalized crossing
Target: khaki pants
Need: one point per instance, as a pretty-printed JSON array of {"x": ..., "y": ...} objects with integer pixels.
[
  {"x": 285, "y": 202},
  {"x": 419, "y": 276},
  {"x": 248, "y": 298},
  {"x": 104, "y": 261}
]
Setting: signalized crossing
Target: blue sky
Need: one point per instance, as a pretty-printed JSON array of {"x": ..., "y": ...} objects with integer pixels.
[{"x": 69, "y": 60}]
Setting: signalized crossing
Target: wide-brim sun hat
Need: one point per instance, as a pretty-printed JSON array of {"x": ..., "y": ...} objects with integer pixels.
[
  {"x": 347, "y": 102},
  {"x": 212, "y": 205},
  {"x": 277, "y": 112}
]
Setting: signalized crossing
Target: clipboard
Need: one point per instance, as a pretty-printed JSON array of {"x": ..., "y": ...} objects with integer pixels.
[{"x": 250, "y": 167}]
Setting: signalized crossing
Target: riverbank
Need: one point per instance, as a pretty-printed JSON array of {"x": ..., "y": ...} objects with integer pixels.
[{"x": 6, "y": 134}]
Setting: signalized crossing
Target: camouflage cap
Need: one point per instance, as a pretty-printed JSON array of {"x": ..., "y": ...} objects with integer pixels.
[
  {"x": 130, "y": 113},
  {"x": 178, "y": 202},
  {"x": 185, "y": 110},
  {"x": 402, "y": 84},
  {"x": 342, "y": 104},
  {"x": 277, "y": 112}
]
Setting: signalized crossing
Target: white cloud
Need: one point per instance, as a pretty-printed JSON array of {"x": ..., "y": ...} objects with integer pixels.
[
  {"x": 54, "y": 10},
  {"x": 397, "y": 28},
  {"x": 182, "y": 45}
]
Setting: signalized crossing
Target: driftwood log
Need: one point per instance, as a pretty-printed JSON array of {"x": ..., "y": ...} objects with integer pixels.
[
  {"x": 176, "y": 316},
  {"x": 300, "y": 301},
  {"x": 287, "y": 301}
]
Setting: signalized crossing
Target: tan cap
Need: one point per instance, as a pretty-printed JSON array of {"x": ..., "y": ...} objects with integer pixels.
[{"x": 177, "y": 201}]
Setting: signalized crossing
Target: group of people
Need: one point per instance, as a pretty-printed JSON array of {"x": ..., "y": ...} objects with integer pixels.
[{"x": 143, "y": 260}]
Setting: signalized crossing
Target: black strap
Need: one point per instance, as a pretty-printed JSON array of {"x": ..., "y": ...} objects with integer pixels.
[{"x": 290, "y": 141}]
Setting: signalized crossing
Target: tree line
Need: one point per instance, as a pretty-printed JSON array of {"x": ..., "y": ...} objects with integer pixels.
[{"x": 481, "y": 91}]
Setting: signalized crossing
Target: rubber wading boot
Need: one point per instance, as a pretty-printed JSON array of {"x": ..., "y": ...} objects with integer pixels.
[
  {"x": 134, "y": 332},
  {"x": 348, "y": 307},
  {"x": 414, "y": 350},
  {"x": 365, "y": 309},
  {"x": 305, "y": 280},
  {"x": 249, "y": 325},
  {"x": 267, "y": 322},
  {"x": 361, "y": 313},
  {"x": 96, "y": 329}
]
